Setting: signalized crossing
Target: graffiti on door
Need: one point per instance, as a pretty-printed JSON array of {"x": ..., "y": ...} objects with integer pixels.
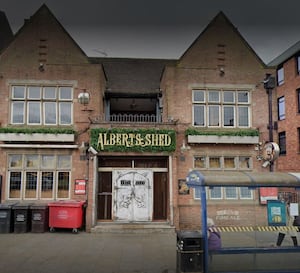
[{"x": 133, "y": 195}]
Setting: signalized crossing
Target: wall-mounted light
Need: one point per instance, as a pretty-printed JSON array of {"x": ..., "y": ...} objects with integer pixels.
[
  {"x": 41, "y": 67},
  {"x": 184, "y": 147},
  {"x": 83, "y": 148},
  {"x": 84, "y": 98},
  {"x": 221, "y": 71}
]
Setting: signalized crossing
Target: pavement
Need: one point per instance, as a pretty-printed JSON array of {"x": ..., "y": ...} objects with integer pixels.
[
  {"x": 66, "y": 252},
  {"x": 154, "y": 252}
]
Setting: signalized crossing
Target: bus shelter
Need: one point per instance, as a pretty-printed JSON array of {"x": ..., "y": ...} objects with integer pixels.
[{"x": 253, "y": 180}]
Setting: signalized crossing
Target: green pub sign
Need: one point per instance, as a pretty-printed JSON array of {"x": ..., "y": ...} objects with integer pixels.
[{"x": 142, "y": 140}]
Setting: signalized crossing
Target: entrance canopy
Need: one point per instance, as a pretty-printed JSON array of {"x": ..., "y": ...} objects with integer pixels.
[{"x": 250, "y": 179}]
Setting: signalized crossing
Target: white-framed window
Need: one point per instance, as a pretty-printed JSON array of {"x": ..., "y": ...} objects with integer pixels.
[
  {"x": 227, "y": 193},
  {"x": 280, "y": 75},
  {"x": 226, "y": 162},
  {"x": 221, "y": 108},
  {"x": 231, "y": 192},
  {"x": 281, "y": 108},
  {"x": 246, "y": 193},
  {"x": 216, "y": 193},
  {"x": 37, "y": 177},
  {"x": 205, "y": 162},
  {"x": 41, "y": 105}
]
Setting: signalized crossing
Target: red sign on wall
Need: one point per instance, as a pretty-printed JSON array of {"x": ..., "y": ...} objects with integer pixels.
[
  {"x": 80, "y": 186},
  {"x": 268, "y": 194}
]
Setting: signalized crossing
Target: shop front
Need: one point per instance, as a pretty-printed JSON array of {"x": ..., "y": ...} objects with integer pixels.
[{"x": 133, "y": 186}]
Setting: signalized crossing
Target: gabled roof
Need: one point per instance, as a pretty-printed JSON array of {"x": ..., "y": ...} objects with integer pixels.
[
  {"x": 290, "y": 52},
  {"x": 6, "y": 34},
  {"x": 45, "y": 10},
  {"x": 133, "y": 76},
  {"x": 222, "y": 16}
]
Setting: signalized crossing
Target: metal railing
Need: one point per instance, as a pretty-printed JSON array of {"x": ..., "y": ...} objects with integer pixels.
[
  {"x": 292, "y": 196},
  {"x": 133, "y": 118}
]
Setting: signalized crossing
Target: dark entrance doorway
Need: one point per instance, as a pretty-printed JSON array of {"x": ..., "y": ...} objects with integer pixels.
[{"x": 108, "y": 189}]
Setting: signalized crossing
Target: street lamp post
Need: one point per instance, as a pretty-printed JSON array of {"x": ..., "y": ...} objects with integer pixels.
[{"x": 269, "y": 85}]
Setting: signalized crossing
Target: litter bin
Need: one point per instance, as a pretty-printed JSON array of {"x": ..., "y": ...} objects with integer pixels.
[
  {"x": 39, "y": 218},
  {"x": 190, "y": 253},
  {"x": 6, "y": 218},
  {"x": 66, "y": 214},
  {"x": 21, "y": 218}
]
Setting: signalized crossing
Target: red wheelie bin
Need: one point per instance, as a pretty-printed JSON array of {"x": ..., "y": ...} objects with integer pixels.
[{"x": 66, "y": 214}]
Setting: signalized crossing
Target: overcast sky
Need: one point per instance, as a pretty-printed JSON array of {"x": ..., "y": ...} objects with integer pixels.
[{"x": 164, "y": 28}]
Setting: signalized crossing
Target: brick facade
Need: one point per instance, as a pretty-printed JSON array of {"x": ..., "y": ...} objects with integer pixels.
[{"x": 219, "y": 59}]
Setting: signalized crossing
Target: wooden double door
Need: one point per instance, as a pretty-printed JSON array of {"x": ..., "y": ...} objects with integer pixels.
[{"x": 133, "y": 194}]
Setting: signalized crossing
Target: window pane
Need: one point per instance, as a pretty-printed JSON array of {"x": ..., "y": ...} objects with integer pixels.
[
  {"x": 18, "y": 112},
  {"x": 216, "y": 193},
  {"x": 281, "y": 108},
  {"x": 32, "y": 161},
  {"x": 47, "y": 185},
  {"x": 199, "y": 116},
  {"x": 243, "y": 115},
  {"x": 229, "y": 163},
  {"x": 214, "y": 96},
  {"x": 298, "y": 93},
  {"x": 298, "y": 64},
  {"x": 199, "y": 162},
  {"x": 280, "y": 76},
  {"x": 214, "y": 115},
  {"x": 65, "y": 93},
  {"x": 49, "y": 92},
  {"x": 243, "y": 97},
  {"x": 34, "y": 92},
  {"x": 228, "y": 115},
  {"x": 282, "y": 142},
  {"x": 228, "y": 97},
  {"x": 50, "y": 112},
  {"x": 199, "y": 96},
  {"x": 231, "y": 192},
  {"x": 18, "y": 92},
  {"x": 15, "y": 161},
  {"x": 34, "y": 113},
  {"x": 65, "y": 110},
  {"x": 64, "y": 162},
  {"x": 298, "y": 130},
  {"x": 244, "y": 162},
  {"x": 63, "y": 185},
  {"x": 197, "y": 193},
  {"x": 215, "y": 162},
  {"x": 246, "y": 193},
  {"x": 31, "y": 185},
  {"x": 48, "y": 162},
  {"x": 15, "y": 179}
]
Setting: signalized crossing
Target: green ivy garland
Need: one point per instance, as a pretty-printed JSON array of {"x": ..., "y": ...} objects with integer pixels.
[
  {"x": 55, "y": 131},
  {"x": 228, "y": 132}
]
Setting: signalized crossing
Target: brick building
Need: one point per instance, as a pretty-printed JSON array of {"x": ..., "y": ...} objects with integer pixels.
[
  {"x": 130, "y": 130},
  {"x": 287, "y": 95}
]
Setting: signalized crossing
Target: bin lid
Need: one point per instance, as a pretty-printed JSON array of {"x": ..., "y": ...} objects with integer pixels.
[
  {"x": 67, "y": 203},
  {"x": 21, "y": 206},
  {"x": 39, "y": 206},
  {"x": 189, "y": 234},
  {"x": 7, "y": 205}
]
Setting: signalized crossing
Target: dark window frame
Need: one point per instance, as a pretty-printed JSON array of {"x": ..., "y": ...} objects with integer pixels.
[
  {"x": 282, "y": 142},
  {"x": 298, "y": 99}
]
